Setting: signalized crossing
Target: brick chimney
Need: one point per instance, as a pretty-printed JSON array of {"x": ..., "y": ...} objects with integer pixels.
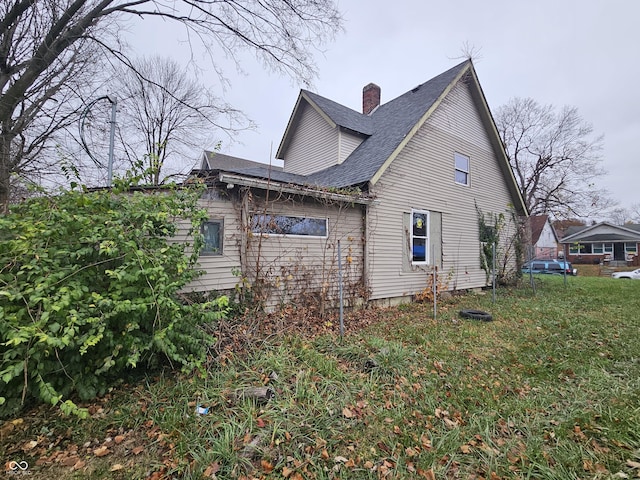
[{"x": 370, "y": 98}]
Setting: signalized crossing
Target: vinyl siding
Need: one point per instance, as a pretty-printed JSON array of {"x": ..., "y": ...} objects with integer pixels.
[
  {"x": 218, "y": 269},
  {"x": 296, "y": 266},
  {"x": 547, "y": 238},
  {"x": 314, "y": 144},
  {"x": 348, "y": 143},
  {"x": 422, "y": 177}
]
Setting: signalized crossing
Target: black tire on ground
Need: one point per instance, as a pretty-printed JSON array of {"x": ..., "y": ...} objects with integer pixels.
[{"x": 476, "y": 315}]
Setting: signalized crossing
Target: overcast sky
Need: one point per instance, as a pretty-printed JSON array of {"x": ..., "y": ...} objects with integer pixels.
[{"x": 578, "y": 53}]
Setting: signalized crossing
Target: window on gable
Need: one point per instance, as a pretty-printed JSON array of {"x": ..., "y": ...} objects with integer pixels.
[
  {"x": 419, "y": 237},
  {"x": 212, "y": 235},
  {"x": 286, "y": 225},
  {"x": 462, "y": 169}
]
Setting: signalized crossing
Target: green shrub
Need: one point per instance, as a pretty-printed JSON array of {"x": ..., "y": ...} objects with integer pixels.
[{"x": 89, "y": 285}]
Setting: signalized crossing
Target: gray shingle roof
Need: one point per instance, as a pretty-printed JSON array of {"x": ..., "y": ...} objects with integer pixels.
[
  {"x": 341, "y": 115},
  {"x": 275, "y": 175},
  {"x": 220, "y": 161},
  {"x": 391, "y": 123},
  {"x": 583, "y": 233},
  {"x": 386, "y": 127}
]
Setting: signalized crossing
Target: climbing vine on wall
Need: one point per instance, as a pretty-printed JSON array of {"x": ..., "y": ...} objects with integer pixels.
[{"x": 493, "y": 229}]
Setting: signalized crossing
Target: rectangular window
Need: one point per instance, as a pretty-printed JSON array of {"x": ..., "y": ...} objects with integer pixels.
[
  {"x": 286, "y": 225},
  {"x": 419, "y": 237},
  {"x": 582, "y": 248},
  {"x": 212, "y": 235},
  {"x": 602, "y": 248},
  {"x": 631, "y": 248},
  {"x": 462, "y": 169}
]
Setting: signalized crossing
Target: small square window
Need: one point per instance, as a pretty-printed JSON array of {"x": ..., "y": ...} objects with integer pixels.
[
  {"x": 212, "y": 236},
  {"x": 462, "y": 169}
]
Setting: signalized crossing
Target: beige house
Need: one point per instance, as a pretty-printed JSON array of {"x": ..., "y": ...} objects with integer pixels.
[
  {"x": 544, "y": 242},
  {"x": 399, "y": 186}
]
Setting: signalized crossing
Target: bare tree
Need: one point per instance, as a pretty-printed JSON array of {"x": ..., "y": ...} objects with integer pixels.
[
  {"x": 622, "y": 216},
  {"x": 555, "y": 158},
  {"x": 635, "y": 212},
  {"x": 41, "y": 39},
  {"x": 165, "y": 116},
  {"x": 36, "y": 100}
]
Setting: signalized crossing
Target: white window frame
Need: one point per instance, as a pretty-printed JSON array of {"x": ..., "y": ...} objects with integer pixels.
[
  {"x": 631, "y": 247},
  {"x": 602, "y": 248},
  {"x": 204, "y": 250},
  {"x": 459, "y": 169},
  {"x": 425, "y": 237}
]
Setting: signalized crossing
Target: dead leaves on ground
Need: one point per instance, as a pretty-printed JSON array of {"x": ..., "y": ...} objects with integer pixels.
[{"x": 119, "y": 448}]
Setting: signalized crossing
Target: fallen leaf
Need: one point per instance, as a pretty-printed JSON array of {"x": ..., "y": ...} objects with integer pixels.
[
  {"x": 266, "y": 465},
  {"x": 70, "y": 461},
  {"x": 428, "y": 474},
  {"x": 29, "y": 445},
  {"x": 101, "y": 451},
  {"x": 632, "y": 464},
  {"x": 116, "y": 467},
  {"x": 286, "y": 471},
  {"x": 211, "y": 470},
  {"x": 410, "y": 452},
  {"x": 119, "y": 439},
  {"x": 340, "y": 460},
  {"x": 465, "y": 449},
  {"x": 137, "y": 450},
  {"x": 346, "y": 413},
  {"x": 425, "y": 441}
]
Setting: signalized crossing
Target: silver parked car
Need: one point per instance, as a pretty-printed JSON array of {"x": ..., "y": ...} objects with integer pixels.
[{"x": 635, "y": 274}]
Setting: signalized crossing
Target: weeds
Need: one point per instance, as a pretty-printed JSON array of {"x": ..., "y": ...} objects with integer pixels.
[{"x": 550, "y": 389}]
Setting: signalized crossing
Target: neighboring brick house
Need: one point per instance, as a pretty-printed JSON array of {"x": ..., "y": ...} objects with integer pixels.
[
  {"x": 400, "y": 185},
  {"x": 603, "y": 243}
]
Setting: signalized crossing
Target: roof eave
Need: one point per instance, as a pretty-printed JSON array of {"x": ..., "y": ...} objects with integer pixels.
[
  {"x": 494, "y": 137},
  {"x": 293, "y": 189},
  {"x": 417, "y": 126},
  {"x": 585, "y": 231}
]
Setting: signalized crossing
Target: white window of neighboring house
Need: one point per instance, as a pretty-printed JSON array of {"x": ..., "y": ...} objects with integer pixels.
[
  {"x": 287, "y": 225},
  {"x": 462, "y": 169},
  {"x": 212, "y": 231},
  {"x": 602, "y": 248},
  {"x": 631, "y": 248},
  {"x": 419, "y": 237}
]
